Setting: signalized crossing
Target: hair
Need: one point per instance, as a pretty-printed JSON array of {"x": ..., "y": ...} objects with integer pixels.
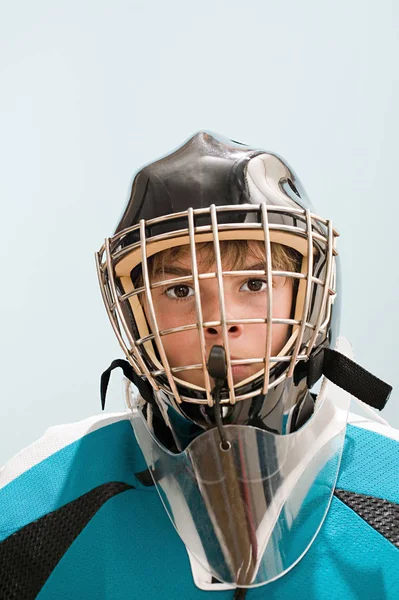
[{"x": 234, "y": 254}]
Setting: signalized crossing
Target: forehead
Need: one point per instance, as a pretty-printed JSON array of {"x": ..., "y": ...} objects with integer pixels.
[{"x": 234, "y": 256}]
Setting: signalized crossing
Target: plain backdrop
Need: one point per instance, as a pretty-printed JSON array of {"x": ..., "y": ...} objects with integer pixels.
[{"x": 91, "y": 90}]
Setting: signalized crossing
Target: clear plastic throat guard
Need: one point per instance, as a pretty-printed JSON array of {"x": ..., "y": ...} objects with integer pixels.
[{"x": 250, "y": 513}]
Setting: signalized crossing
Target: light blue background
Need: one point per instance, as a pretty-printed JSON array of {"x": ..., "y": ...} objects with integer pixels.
[{"x": 92, "y": 90}]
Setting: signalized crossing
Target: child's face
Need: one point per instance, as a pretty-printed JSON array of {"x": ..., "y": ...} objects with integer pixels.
[{"x": 245, "y": 298}]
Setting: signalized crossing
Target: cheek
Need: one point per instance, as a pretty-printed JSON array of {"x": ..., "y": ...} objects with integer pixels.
[
  {"x": 282, "y": 301},
  {"x": 182, "y": 348},
  {"x": 170, "y": 315},
  {"x": 280, "y": 336},
  {"x": 282, "y": 308}
]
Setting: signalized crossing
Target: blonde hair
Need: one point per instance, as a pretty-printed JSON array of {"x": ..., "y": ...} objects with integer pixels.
[{"x": 234, "y": 254}]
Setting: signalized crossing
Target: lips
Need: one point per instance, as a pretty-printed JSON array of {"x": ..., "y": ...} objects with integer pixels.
[{"x": 240, "y": 372}]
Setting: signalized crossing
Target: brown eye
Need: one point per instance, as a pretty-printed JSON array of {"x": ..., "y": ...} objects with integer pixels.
[
  {"x": 179, "y": 291},
  {"x": 254, "y": 285}
]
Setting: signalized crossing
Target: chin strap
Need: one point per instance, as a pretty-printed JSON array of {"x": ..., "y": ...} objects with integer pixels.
[
  {"x": 345, "y": 373},
  {"x": 163, "y": 432},
  {"x": 337, "y": 367},
  {"x": 142, "y": 385}
]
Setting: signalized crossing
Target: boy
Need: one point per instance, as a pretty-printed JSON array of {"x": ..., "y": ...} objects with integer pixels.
[{"x": 221, "y": 287}]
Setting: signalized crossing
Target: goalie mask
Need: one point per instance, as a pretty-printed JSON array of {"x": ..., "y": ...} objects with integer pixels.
[{"x": 220, "y": 282}]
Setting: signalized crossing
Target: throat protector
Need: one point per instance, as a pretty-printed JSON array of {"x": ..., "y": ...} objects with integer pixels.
[{"x": 249, "y": 513}]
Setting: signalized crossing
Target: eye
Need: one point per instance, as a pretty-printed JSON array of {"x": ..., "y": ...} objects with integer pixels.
[
  {"x": 254, "y": 285},
  {"x": 179, "y": 291}
]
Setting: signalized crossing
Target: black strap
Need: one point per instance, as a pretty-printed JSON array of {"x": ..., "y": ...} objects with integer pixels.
[
  {"x": 143, "y": 386},
  {"x": 162, "y": 431},
  {"x": 345, "y": 373},
  {"x": 337, "y": 367},
  {"x": 145, "y": 478}
]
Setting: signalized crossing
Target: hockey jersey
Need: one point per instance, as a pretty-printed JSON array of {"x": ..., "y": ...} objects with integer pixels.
[{"x": 76, "y": 522}]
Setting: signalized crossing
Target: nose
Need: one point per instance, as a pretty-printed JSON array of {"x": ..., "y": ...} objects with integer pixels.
[
  {"x": 211, "y": 312},
  {"x": 214, "y": 333}
]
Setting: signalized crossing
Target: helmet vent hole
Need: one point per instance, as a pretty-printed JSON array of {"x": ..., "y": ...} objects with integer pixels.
[{"x": 293, "y": 188}]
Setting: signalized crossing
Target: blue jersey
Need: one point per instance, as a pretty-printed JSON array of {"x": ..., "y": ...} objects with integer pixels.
[{"x": 77, "y": 523}]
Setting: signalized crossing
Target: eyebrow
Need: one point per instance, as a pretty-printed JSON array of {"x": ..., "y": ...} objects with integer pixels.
[
  {"x": 178, "y": 271},
  {"x": 183, "y": 272}
]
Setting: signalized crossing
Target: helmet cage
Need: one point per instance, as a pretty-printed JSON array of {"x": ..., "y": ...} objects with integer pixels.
[{"x": 142, "y": 340}]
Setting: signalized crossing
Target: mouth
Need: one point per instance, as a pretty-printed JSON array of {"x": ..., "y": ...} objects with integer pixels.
[{"x": 240, "y": 372}]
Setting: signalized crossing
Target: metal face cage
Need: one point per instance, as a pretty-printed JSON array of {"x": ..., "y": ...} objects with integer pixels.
[{"x": 137, "y": 328}]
